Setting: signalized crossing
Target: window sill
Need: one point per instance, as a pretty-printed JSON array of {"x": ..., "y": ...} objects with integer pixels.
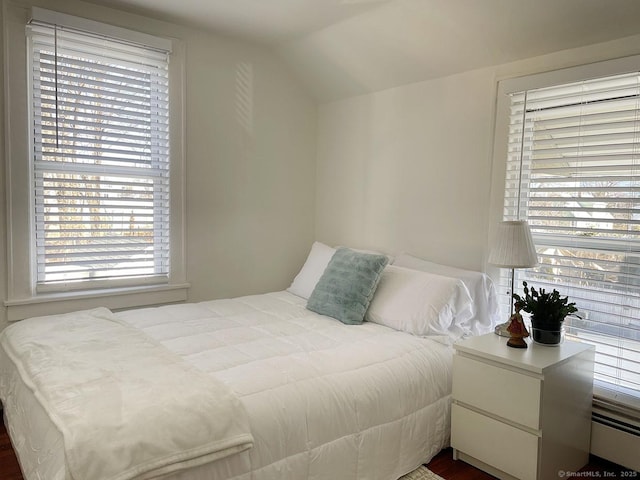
[{"x": 112, "y": 298}]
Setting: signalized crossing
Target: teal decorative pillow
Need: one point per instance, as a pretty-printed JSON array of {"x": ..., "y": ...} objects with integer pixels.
[{"x": 347, "y": 285}]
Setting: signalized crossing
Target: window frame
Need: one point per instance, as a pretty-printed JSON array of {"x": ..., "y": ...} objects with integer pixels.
[
  {"x": 69, "y": 40},
  {"x": 23, "y": 299},
  {"x": 513, "y": 85}
]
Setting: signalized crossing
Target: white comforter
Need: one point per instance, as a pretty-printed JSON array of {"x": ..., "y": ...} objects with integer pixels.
[
  {"x": 324, "y": 400},
  {"x": 126, "y": 406}
]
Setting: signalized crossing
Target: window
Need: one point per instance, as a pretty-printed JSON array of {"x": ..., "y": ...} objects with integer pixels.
[
  {"x": 100, "y": 159},
  {"x": 573, "y": 171},
  {"x": 99, "y": 176}
]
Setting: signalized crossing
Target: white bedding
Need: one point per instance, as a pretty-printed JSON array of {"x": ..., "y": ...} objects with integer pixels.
[
  {"x": 486, "y": 314},
  {"x": 131, "y": 381},
  {"x": 324, "y": 400}
]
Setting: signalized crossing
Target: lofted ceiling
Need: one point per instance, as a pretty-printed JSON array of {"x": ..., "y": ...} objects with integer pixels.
[{"x": 343, "y": 48}]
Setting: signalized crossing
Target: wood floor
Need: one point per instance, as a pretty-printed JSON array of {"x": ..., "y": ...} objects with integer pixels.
[
  {"x": 9, "y": 468},
  {"x": 442, "y": 464}
]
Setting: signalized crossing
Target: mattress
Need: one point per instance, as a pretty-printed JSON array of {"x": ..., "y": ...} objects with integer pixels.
[{"x": 325, "y": 400}]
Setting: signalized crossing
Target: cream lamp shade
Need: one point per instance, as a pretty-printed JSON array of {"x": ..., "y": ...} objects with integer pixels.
[{"x": 513, "y": 246}]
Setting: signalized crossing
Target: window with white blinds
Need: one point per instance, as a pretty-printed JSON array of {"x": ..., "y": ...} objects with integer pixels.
[
  {"x": 100, "y": 153},
  {"x": 573, "y": 171}
]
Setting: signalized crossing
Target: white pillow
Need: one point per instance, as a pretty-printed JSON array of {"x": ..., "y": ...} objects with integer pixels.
[
  {"x": 479, "y": 285},
  {"x": 420, "y": 303},
  {"x": 312, "y": 270}
]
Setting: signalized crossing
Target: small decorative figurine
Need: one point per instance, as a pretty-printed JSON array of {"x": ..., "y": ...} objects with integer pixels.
[{"x": 517, "y": 329}]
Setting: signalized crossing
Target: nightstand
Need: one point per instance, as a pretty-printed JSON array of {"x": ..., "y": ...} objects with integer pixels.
[{"x": 522, "y": 413}]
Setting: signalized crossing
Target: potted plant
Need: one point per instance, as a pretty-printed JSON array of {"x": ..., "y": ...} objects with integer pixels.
[{"x": 548, "y": 311}]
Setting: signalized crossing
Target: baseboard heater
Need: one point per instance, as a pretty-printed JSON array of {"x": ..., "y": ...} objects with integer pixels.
[{"x": 615, "y": 435}]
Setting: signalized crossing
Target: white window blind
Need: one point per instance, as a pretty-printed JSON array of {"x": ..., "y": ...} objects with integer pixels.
[
  {"x": 100, "y": 117},
  {"x": 573, "y": 171}
]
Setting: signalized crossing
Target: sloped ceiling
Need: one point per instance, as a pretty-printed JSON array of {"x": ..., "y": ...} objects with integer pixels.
[{"x": 343, "y": 48}]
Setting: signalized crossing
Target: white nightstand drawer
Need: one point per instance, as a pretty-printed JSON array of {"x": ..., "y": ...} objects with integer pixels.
[
  {"x": 500, "y": 445},
  {"x": 499, "y": 391}
]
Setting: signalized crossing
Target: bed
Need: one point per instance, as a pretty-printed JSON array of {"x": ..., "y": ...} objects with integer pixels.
[{"x": 307, "y": 396}]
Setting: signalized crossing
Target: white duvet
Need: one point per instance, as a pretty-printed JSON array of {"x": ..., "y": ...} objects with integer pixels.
[
  {"x": 108, "y": 387},
  {"x": 324, "y": 400}
]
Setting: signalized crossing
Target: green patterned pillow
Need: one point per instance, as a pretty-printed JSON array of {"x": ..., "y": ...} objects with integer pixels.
[{"x": 347, "y": 285}]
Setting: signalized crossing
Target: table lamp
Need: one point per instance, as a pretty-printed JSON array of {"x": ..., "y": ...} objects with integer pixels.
[{"x": 513, "y": 248}]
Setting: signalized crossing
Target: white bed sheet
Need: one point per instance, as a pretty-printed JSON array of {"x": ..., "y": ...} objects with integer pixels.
[{"x": 325, "y": 400}]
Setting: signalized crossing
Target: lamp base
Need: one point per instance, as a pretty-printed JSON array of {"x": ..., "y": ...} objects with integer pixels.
[{"x": 501, "y": 329}]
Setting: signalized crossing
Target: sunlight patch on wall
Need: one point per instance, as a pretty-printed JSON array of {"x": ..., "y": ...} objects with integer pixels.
[{"x": 244, "y": 95}]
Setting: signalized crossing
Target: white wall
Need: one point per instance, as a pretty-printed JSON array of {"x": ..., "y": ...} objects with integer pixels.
[
  {"x": 408, "y": 169},
  {"x": 250, "y": 161},
  {"x": 3, "y": 217},
  {"x": 412, "y": 168},
  {"x": 250, "y": 171}
]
